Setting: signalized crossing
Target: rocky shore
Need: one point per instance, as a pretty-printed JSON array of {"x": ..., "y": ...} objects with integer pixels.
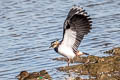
[{"x": 98, "y": 68}]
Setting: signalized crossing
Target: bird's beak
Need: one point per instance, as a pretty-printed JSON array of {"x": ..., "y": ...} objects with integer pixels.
[
  {"x": 18, "y": 77},
  {"x": 50, "y": 47}
]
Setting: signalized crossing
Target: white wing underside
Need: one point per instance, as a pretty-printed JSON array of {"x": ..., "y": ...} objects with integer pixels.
[
  {"x": 65, "y": 48},
  {"x": 69, "y": 38}
]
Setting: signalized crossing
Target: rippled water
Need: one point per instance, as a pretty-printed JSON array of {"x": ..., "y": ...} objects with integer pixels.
[{"x": 27, "y": 28}]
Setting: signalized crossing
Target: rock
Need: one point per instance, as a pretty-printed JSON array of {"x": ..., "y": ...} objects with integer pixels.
[
  {"x": 114, "y": 51},
  {"x": 99, "y": 67}
]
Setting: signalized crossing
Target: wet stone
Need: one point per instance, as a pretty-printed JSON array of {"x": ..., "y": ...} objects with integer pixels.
[
  {"x": 114, "y": 51},
  {"x": 102, "y": 68}
]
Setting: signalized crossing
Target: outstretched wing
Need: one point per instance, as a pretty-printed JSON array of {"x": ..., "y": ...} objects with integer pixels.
[{"x": 76, "y": 25}]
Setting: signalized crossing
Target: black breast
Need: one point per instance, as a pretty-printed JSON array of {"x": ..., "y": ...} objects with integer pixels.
[{"x": 56, "y": 49}]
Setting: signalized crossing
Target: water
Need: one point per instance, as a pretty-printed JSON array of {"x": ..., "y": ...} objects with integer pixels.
[{"x": 27, "y": 28}]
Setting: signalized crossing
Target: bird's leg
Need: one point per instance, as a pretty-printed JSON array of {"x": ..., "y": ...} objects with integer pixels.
[{"x": 68, "y": 62}]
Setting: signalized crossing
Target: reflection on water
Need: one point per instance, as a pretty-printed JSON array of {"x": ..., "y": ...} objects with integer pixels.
[{"x": 28, "y": 26}]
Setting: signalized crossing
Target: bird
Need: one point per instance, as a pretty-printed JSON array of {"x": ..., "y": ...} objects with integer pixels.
[
  {"x": 77, "y": 24},
  {"x": 25, "y": 75}
]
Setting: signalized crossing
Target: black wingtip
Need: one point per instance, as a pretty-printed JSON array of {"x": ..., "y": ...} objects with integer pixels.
[
  {"x": 82, "y": 14},
  {"x": 80, "y": 11}
]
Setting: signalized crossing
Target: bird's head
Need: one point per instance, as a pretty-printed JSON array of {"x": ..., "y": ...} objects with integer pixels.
[
  {"x": 23, "y": 75},
  {"x": 54, "y": 44}
]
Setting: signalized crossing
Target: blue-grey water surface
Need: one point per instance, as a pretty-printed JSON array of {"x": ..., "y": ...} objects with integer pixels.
[{"x": 27, "y": 27}]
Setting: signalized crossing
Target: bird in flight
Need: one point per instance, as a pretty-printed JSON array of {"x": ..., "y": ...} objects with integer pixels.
[{"x": 76, "y": 26}]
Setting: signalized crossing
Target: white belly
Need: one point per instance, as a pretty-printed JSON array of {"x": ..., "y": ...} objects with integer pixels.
[{"x": 66, "y": 51}]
